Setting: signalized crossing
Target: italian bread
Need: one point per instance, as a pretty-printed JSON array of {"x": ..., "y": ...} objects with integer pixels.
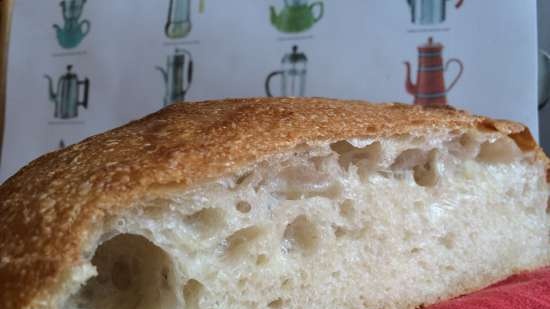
[{"x": 276, "y": 203}]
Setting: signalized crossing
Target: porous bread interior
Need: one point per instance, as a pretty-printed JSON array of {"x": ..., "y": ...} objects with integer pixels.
[{"x": 389, "y": 223}]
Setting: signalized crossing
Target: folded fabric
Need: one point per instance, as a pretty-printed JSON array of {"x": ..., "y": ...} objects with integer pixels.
[{"x": 523, "y": 291}]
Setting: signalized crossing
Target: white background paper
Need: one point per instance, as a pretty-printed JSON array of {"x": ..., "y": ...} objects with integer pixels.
[{"x": 356, "y": 51}]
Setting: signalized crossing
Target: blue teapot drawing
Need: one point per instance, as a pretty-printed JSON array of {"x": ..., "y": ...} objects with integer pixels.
[{"x": 73, "y": 30}]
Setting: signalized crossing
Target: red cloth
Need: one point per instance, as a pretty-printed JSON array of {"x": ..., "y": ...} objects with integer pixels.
[{"x": 523, "y": 291}]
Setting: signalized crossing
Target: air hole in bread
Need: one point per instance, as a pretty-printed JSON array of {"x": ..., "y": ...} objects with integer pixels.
[
  {"x": 297, "y": 193},
  {"x": 193, "y": 290},
  {"x": 351, "y": 234},
  {"x": 132, "y": 273},
  {"x": 347, "y": 209},
  {"x": 385, "y": 174},
  {"x": 206, "y": 221},
  {"x": 301, "y": 235},
  {"x": 242, "y": 179},
  {"x": 423, "y": 163},
  {"x": 302, "y": 182},
  {"x": 364, "y": 158},
  {"x": 248, "y": 179},
  {"x": 465, "y": 146},
  {"x": 303, "y": 175},
  {"x": 239, "y": 243},
  {"x": 343, "y": 148},
  {"x": 427, "y": 174},
  {"x": 469, "y": 144},
  {"x": 278, "y": 303},
  {"x": 448, "y": 241},
  {"x": 339, "y": 231},
  {"x": 286, "y": 284},
  {"x": 156, "y": 210},
  {"x": 262, "y": 259},
  {"x": 409, "y": 158},
  {"x": 503, "y": 150},
  {"x": 243, "y": 206},
  {"x": 121, "y": 223}
]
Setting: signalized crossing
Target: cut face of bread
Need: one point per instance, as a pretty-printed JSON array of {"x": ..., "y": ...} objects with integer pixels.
[
  {"x": 392, "y": 222},
  {"x": 276, "y": 203}
]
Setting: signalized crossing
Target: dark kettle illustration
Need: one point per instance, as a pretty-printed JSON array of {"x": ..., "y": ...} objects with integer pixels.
[
  {"x": 293, "y": 75},
  {"x": 66, "y": 99},
  {"x": 428, "y": 12},
  {"x": 543, "y": 78},
  {"x": 177, "y": 76},
  {"x": 178, "y": 22},
  {"x": 296, "y": 15},
  {"x": 73, "y": 30},
  {"x": 430, "y": 84}
]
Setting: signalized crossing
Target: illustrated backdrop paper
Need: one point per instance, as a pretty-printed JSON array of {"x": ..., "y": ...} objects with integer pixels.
[{"x": 132, "y": 56}]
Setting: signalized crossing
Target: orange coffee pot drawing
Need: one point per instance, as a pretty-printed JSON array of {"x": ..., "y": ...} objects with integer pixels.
[{"x": 430, "y": 82}]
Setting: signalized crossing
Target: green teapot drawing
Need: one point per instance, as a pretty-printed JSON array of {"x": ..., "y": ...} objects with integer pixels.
[
  {"x": 296, "y": 16},
  {"x": 73, "y": 30}
]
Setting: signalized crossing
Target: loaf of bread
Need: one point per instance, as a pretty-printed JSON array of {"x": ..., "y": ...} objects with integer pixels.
[{"x": 276, "y": 203}]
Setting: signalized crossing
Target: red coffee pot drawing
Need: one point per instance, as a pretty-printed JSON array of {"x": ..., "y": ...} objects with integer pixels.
[{"x": 430, "y": 83}]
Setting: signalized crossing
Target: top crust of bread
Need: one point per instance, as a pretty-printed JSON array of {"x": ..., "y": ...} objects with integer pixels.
[{"x": 48, "y": 208}]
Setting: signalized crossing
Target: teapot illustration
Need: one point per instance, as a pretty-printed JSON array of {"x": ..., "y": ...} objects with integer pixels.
[
  {"x": 66, "y": 99},
  {"x": 430, "y": 84},
  {"x": 293, "y": 75},
  {"x": 543, "y": 78},
  {"x": 177, "y": 75},
  {"x": 178, "y": 22},
  {"x": 296, "y": 15},
  {"x": 73, "y": 30},
  {"x": 428, "y": 12}
]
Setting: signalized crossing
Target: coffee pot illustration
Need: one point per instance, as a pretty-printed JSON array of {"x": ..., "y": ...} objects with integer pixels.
[
  {"x": 428, "y": 12},
  {"x": 73, "y": 30},
  {"x": 178, "y": 22},
  {"x": 292, "y": 75},
  {"x": 543, "y": 78},
  {"x": 66, "y": 99},
  {"x": 296, "y": 15},
  {"x": 430, "y": 84},
  {"x": 177, "y": 75}
]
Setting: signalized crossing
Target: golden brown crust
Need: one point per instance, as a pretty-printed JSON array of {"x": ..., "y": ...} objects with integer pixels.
[{"x": 49, "y": 206}]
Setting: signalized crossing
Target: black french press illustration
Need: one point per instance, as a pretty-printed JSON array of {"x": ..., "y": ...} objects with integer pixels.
[{"x": 292, "y": 75}]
